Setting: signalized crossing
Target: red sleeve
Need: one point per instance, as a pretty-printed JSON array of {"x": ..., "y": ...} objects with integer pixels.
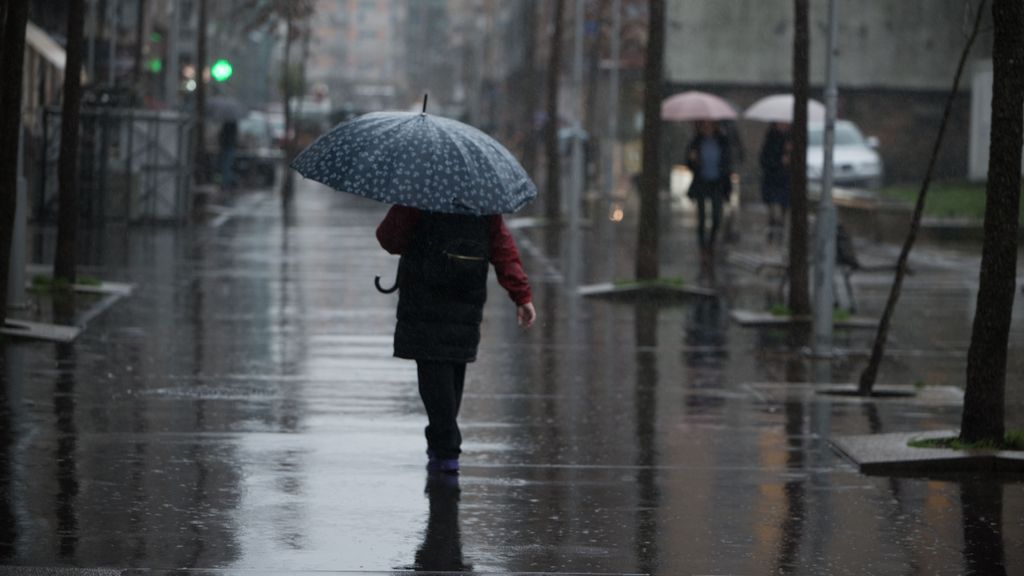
[
  {"x": 507, "y": 265},
  {"x": 395, "y": 230}
]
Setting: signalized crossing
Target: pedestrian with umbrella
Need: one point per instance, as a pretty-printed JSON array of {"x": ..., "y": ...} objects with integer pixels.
[
  {"x": 228, "y": 111},
  {"x": 449, "y": 184},
  {"x": 777, "y": 111}
]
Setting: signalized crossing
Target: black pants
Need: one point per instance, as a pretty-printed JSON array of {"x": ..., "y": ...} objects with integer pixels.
[
  {"x": 715, "y": 196},
  {"x": 441, "y": 385}
]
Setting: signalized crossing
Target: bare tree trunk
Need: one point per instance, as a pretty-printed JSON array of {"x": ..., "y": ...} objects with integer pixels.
[
  {"x": 286, "y": 88},
  {"x": 307, "y": 36},
  {"x": 530, "y": 92},
  {"x": 647, "y": 261},
  {"x": 11, "y": 68},
  {"x": 67, "y": 164},
  {"x": 553, "y": 198},
  {"x": 3, "y": 27},
  {"x": 799, "y": 298},
  {"x": 984, "y": 409},
  {"x": 202, "y": 166},
  {"x": 593, "y": 50},
  {"x": 300, "y": 82},
  {"x": 870, "y": 373}
]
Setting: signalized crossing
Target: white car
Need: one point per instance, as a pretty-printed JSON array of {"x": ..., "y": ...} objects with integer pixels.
[{"x": 855, "y": 164}]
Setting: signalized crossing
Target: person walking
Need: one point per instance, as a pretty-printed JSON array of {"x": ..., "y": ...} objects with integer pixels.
[
  {"x": 442, "y": 283},
  {"x": 775, "y": 153},
  {"x": 227, "y": 140},
  {"x": 709, "y": 159}
]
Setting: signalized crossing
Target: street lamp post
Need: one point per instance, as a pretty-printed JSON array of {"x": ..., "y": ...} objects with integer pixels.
[
  {"x": 576, "y": 186},
  {"x": 826, "y": 228}
]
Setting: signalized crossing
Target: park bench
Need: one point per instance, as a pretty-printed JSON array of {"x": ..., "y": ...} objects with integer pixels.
[{"x": 847, "y": 264}]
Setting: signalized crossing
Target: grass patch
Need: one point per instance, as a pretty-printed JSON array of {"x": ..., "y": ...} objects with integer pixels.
[
  {"x": 946, "y": 199},
  {"x": 1013, "y": 440},
  {"x": 44, "y": 283},
  {"x": 669, "y": 282}
]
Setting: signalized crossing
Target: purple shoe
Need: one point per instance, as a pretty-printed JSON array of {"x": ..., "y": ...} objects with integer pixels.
[{"x": 444, "y": 465}]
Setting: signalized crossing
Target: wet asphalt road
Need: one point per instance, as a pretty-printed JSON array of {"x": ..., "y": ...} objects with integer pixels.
[{"x": 242, "y": 413}]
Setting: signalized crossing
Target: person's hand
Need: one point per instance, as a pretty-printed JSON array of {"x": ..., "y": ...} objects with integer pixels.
[{"x": 526, "y": 314}]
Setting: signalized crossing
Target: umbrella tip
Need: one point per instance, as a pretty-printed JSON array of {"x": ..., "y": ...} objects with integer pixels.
[{"x": 424, "y": 104}]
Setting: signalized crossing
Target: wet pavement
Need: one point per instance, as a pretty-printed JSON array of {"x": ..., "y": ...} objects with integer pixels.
[{"x": 241, "y": 413}]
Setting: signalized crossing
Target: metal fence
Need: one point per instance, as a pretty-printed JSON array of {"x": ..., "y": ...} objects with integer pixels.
[{"x": 134, "y": 166}]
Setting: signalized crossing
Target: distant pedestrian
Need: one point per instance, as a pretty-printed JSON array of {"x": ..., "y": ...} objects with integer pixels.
[
  {"x": 227, "y": 140},
  {"x": 775, "y": 153},
  {"x": 442, "y": 282},
  {"x": 709, "y": 158}
]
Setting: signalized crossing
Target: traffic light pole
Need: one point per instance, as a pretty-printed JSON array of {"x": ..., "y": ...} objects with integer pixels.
[{"x": 824, "y": 295}]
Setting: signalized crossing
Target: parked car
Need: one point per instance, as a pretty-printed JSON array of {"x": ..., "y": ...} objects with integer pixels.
[
  {"x": 257, "y": 157},
  {"x": 856, "y": 162},
  {"x": 275, "y": 120}
]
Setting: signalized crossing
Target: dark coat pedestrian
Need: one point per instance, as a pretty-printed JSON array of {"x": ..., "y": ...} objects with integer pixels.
[
  {"x": 775, "y": 166},
  {"x": 775, "y": 153},
  {"x": 709, "y": 158},
  {"x": 442, "y": 280},
  {"x": 705, "y": 184},
  {"x": 227, "y": 140}
]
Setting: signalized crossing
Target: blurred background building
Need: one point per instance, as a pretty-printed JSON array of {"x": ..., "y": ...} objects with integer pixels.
[{"x": 484, "y": 62}]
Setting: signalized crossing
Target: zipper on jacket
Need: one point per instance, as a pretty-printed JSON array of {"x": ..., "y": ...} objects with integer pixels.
[{"x": 464, "y": 257}]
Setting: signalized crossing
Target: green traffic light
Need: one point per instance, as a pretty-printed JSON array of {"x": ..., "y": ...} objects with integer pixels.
[
  {"x": 221, "y": 70},
  {"x": 156, "y": 65}
]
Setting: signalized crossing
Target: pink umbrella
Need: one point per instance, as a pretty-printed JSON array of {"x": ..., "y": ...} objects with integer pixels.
[
  {"x": 779, "y": 108},
  {"x": 694, "y": 105}
]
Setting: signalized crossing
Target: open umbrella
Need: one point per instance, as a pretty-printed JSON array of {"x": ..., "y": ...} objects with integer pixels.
[
  {"x": 419, "y": 160},
  {"x": 779, "y": 108},
  {"x": 225, "y": 108},
  {"x": 695, "y": 105}
]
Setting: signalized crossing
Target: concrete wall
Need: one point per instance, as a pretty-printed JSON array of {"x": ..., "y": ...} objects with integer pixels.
[{"x": 891, "y": 44}]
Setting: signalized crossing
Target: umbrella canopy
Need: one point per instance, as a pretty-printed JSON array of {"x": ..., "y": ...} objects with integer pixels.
[
  {"x": 779, "y": 108},
  {"x": 694, "y": 105},
  {"x": 418, "y": 160},
  {"x": 225, "y": 108}
]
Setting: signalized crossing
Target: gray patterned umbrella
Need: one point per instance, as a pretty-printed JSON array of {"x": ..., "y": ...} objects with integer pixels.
[{"x": 418, "y": 160}]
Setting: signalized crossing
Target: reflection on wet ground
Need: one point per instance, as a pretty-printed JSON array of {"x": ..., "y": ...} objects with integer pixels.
[{"x": 242, "y": 411}]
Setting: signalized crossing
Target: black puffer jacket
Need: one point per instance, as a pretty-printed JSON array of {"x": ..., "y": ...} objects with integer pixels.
[{"x": 442, "y": 280}]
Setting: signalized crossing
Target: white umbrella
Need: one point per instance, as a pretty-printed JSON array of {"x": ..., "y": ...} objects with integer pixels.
[
  {"x": 779, "y": 108},
  {"x": 694, "y": 105}
]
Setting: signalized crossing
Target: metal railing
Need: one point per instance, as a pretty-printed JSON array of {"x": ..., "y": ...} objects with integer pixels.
[{"x": 134, "y": 166}]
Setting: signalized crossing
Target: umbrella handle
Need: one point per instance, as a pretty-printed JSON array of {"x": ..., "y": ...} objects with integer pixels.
[{"x": 381, "y": 289}]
